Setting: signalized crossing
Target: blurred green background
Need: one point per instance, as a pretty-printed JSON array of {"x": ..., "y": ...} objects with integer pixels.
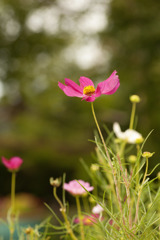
[{"x": 43, "y": 42}]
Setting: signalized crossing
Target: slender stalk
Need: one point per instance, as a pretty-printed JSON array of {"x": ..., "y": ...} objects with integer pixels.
[
  {"x": 80, "y": 217},
  {"x": 63, "y": 211},
  {"x": 106, "y": 172},
  {"x": 57, "y": 198},
  {"x": 12, "y": 216},
  {"x": 126, "y": 183},
  {"x": 85, "y": 203},
  {"x": 110, "y": 162},
  {"x": 13, "y": 186},
  {"x": 123, "y": 145},
  {"x": 132, "y": 115},
  {"x": 137, "y": 176},
  {"x": 140, "y": 191}
]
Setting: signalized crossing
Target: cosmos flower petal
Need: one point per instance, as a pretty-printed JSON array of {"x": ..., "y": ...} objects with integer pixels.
[
  {"x": 98, "y": 92},
  {"x": 5, "y": 162},
  {"x": 97, "y": 209},
  {"x": 73, "y": 85},
  {"x": 117, "y": 131},
  {"x": 109, "y": 86},
  {"x": 84, "y": 82},
  {"x": 89, "y": 98},
  {"x": 130, "y": 135},
  {"x": 69, "y": 91},
  {"x": 113, "y": 90}
]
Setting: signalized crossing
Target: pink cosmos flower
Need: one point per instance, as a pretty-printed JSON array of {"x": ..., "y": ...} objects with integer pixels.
[
  {"x": 75, "y": 188},
  {"x": 87, "y": 91},
  {"x": 12, "y": 164}
]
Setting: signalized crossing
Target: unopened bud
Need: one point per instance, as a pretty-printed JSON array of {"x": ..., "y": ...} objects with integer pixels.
[
  {"x": 149, "y": 205},
  {"x": 158, "y": 176},
  {"x": 147, "y": 154},
  {"x": 91, "y": 200},
  {"x": 62, "y": 209},
  {"x": 28, "y": 230},
  {"x": 139, "y": 140},
  {"x": 94, "y": 167},
  {"x": 135, "y": 99},
  {"x": 132, "y": 158},
  {"x": 55, "y": 182}
]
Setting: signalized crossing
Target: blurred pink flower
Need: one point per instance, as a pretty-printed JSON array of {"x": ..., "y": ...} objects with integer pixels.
[
  {"x": 75, "y": 188},
  {"x": 88, "y": 220},
  {"x": 12, "y": 164},
  {"x": 87, "y": 91},
  {"x": 111, "y": 222}
]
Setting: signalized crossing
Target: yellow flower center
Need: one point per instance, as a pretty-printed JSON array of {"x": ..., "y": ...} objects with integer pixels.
[{"x": 89, "y": 90}]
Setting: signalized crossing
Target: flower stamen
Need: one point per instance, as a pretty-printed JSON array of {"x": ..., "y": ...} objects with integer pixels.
[{"x": 88, "y": 90}]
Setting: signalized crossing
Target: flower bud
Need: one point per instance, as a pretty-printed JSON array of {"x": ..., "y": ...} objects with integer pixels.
[
  {"x": 139, "y": 140},
  {"x": 28, "y": 230},
  {"x": 62, "y": 209},
  {"x": 135, "y": 99},
  {"x": 147, "y": 154},
  {"x": 149, "y": 205},
  {"x": 94, "y": 167},
  {"x": 132, "y": 158},
  {"x": 91, "y": 200},
  {"x": 158, "y": 176},
  {"x": 55, "y": 182}
]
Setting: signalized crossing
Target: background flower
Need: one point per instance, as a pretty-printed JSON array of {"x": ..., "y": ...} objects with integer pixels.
[
  {"x": 130, "y": 135},
  {"x": 97, "y": 209},
  {"x": 13, "y": 163},
  {"x": 75, "y": 188},
  {"x": 88, "y": 220}
]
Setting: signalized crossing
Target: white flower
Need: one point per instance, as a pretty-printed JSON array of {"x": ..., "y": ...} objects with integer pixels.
[
  {"x": 97, "y": 209},
  {"x": 130, "y": 135}
]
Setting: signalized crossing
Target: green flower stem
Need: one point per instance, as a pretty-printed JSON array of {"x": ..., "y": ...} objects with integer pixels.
[
  {"x": 63, "y": 211},
  {"x": 13, "y": 186},
  {"x": 132, "y": 115},
  {"x": 108, "y": 174},
  {"x": 110, "y": 163},
  {"x": 127, "y": 185},
  {"x": 80, "y": 217},
  {"x": 12, "y": 216},
  {"x": 32, "y": 236},
  {"x": 85, "y": 204},
  {"x": 122, "y": 149},
  {"x": 137, "y": 176},
  {"x": 140, "y": 191}
]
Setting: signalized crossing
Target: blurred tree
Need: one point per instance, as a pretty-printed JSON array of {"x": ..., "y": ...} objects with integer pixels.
[
  {"x": 134, "y": 38},
  {"x": 43, "y": 42}
]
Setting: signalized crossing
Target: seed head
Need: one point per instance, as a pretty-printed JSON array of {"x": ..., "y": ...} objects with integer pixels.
[{"x": 55, "y": 182}]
